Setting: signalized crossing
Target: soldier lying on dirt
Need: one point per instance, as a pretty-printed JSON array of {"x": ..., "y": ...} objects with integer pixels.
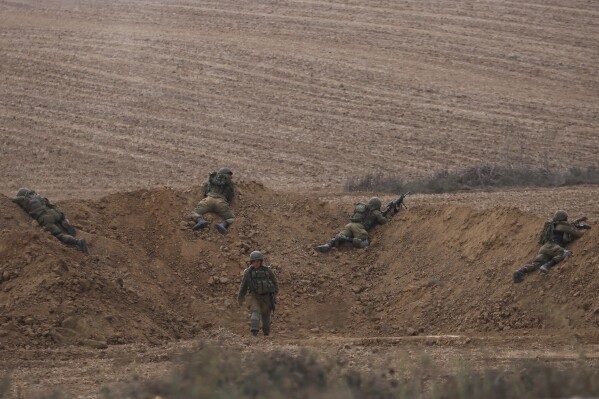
[
  {"x": 218, "y": 195},
  {"x": 556, "y": 235},
  {"x": 49, "y": 216},
  {"x": 365, "y": 217}
]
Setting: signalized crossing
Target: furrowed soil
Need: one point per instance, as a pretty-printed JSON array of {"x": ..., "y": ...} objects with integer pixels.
[{"x": 118, "y": 110}]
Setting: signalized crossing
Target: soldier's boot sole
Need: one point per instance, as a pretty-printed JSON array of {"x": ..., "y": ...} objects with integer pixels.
[
  {"x": 221, "y": 228},
  {"x": 518, "y": 277},
  {"x": 82, "y": 245},
  {"x": 323, "y": 248}
]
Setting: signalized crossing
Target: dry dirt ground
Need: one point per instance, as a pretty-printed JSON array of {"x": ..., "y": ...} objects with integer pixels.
[{"x": 119, "y": 109}]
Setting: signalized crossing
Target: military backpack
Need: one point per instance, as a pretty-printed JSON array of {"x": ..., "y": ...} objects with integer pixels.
[
  {"x": 547, "y": 233},
  {"x": 219, "y": 179},
  {"x": 360, "y": 212}
]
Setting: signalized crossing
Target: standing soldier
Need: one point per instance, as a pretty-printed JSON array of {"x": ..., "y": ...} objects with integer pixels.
[
  {"x": 365, "y": 217},
  {"x": 218, "y": 195},
  {"x": 49, "y": 216},
  {"x": 262, "y": 284},
  {"x": 557, "y": 234}
]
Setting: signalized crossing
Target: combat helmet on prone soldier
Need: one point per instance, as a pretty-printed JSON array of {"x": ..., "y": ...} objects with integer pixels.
[
  {"x": 23, "y": 192},
  {"x": 375, "y": 203},
  {"x": 560, "y": 216},
  {"x": 225, "y": 171}
]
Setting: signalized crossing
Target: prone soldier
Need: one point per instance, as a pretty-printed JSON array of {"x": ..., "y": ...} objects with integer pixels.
[{"x": 219, "y": 192}]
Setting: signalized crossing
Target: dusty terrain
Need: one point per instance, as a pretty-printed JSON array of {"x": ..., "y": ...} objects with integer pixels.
[{"x": 118, "y": 110}]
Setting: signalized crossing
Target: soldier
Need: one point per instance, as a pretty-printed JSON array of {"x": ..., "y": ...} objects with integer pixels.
[
  {"x": 365, "y": 217},
  {"x": 262, "y": 284},
  {"x": 553, "y": 250},
  {"x": 218, "y": 195},
  {"x": 49, "y": 216}
]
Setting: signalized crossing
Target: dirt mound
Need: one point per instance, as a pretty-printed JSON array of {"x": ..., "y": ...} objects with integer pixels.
[{"x": 149, "y": 278}]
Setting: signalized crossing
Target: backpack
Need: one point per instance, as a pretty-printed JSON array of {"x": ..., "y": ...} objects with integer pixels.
[
  {"x": 360, "y": 212},
  {"x": 219, "y": 179},
  {"x": 547, "y": 232}
]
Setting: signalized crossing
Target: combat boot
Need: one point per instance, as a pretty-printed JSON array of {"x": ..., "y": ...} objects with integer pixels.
[
  {"x": 222, "y": 227},
  {"x": 68, "y": 228},
  {"x": 545, "y": 268},
  {"x": 323, "y": 248},
  {"x": 255, "y": 333},
  {"x": 200, "y": 224},
  {"x": 82, "y": 245},
  {"x": 519, "y": 275}
]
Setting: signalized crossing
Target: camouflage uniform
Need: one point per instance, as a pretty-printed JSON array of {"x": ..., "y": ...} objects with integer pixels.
[
  {"x": 552, "y": 252},
  {"x": 219, "y": 192},
  {"x": 357, "y": 230},
  {"x": 49, "y": 216},
  {"x": 263, "y": 287}
]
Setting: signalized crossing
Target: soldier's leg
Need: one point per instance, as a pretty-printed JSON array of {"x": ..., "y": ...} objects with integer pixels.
[
  {"x": 81, "y": 244},
  {"x": 556, "y": 253},
  {"x": 223, "y": 210},
  {"x": 343, "y": 236},
  {"x": 265, "y": 314},
  {"x": 360, "y": 235},
  {"x": 64, "y": 223},
  {"x": 538, "y": 260},
  {"x": 205, "y": 205},
  {"x": 254, "y": 306}
]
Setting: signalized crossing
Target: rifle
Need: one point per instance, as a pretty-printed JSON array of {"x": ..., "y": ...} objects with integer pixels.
[
  {"x": 394, "y": 206},
  {"x": 579, "y": 225},
  {"x": 273, "y": 303}
]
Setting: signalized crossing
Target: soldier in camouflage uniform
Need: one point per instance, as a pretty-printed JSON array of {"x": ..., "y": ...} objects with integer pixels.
[
  {"x": 365, "y": 217},
  {"x": 553, "y": 251},
  {"x": 49, "y": 216},
  {"x": 218, "y": 195},
  {"x": 263, "y": 287}
]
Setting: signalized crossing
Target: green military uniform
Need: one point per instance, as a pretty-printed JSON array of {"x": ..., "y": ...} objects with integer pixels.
[
  {"x": 219, "y": 192},
  {"x": 365, "y": 217},
  {"x": 262, "y": 285},
  {"x": 49, "y": 216},
  {"x": 553, "y": 251}
]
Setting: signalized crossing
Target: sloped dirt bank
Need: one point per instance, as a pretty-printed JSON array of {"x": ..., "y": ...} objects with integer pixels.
[{"x": 150, "y": 279}]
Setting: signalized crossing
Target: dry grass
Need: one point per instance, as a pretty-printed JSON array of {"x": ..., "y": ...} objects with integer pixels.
[{"x": 486, "y": 176}]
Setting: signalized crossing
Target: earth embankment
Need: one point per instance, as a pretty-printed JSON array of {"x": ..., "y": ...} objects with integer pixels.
[{"x": 433, "y": 269}]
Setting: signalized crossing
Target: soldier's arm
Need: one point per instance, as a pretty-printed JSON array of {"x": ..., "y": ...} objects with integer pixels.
[
  {"x": 243, "y": 288},
  {"x": 230, "y": 193},
  {"x": 570, "y": 230},
  {"x": 380, "y": 219},
  {"x": 20, "y": 201}
]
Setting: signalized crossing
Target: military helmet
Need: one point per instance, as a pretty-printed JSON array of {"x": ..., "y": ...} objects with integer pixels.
[
  {"x": 23, "y": 192},
  {"x": 256, "y": 255},
  {"x": 375, "y": 203},
  {"x": 224, "y": 171},
  {"x": 560, "y": 216}
]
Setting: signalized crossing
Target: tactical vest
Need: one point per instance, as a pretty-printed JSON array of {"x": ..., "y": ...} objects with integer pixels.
[
  {"x": 558, "y": 236},
  {"x": 260, "y": 282}
]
